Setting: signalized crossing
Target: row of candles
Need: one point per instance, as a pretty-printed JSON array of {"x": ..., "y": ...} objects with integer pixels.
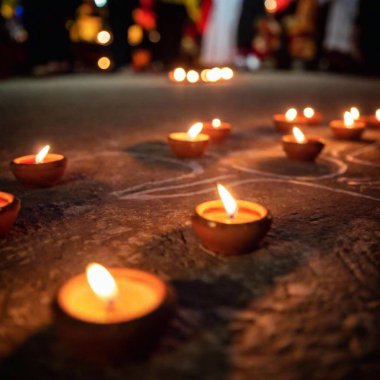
[
  {"x": 120, "y": 313},
  {"x": 214, "y": 75}
]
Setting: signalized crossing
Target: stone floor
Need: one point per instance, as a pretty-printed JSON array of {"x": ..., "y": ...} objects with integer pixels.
[{"x": 305, "y": 305}]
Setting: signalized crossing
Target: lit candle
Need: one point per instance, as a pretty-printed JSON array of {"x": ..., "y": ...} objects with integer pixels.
[
  {"x": 228, "y": 226},
  {"x": 9, "y": 209},
  {"x": 40, "y": 170},
  {"x": 301, "y": 148},
  {"x": 371, "y": 121},
  {"x": 355, "y": 113},
  {"x": 217, "y": 130},
  {"x": 191, "y": 144},
  {"x": 285, "y": 122},
  {"x": 348, "y": 128},
  {"x": 108, "y": 315}
]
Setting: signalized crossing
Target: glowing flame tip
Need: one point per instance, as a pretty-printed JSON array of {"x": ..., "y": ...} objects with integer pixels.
[
  {"x": 298, "y": 135},
  {"x": 195, "y": 130},
  {"x": 291, "y": 114},
  {"x": 229, "y": 203},
  {"x": 101, "y": 282},
  {"x": 41, "y": 155}
]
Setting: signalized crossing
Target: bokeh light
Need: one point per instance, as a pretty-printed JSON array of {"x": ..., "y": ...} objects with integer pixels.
[
  {"x": 192, "y": 76},
  {"x": 179, "y": 74},
  {"x": 104, "y": 63},
  {"x": 104, "y": 37}
]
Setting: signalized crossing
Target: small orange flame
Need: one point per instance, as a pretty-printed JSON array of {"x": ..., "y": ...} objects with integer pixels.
[
  {"x": 41, "y": 155},
  {"x": 195, "y": 130},
  {"x": 355, "y": 113},
  {"x": 291, "y": 114},
  {"x": 229, "y": 203},
  {"x": 179, "y": 74},
  {"x": 101, "y": 282},
  {"x": 308, "y": 112},
  {"x": 216, "y": 123},
  {"x": 377, "y": 114},
  {"x": 348, "y": 120},
  {"x": 299, "y": 136}
]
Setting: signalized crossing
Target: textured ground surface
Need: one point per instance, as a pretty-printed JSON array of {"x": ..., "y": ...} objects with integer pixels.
[{"x": 306, "y": 305}]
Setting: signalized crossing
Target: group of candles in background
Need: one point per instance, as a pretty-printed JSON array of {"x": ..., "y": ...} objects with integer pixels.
[
  {"x": 108, "y": 315},
  {"x": 213, "y": 75}
]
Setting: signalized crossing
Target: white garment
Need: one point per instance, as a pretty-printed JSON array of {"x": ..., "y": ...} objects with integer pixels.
[
  {"x": 340, "y": 26},
  {"x": 220, "y": 37}
]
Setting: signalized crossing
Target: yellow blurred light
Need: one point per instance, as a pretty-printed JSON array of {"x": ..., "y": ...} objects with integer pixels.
[
  {"x": 270, "y": 6},
  {"x": 104, "y": 63},
  {"x": 227, "y": 73},
  {"x": 377, "y": 114},
  {"x": 291, "y": 114},
  {"x": 103, "y": 37},
  {"x": 308, "y": 112},
  {"x": 204, "y": 74},
  {"x": 135, "y": 35},
  {"x": 192, "y": 76},
  {"x": 355, "y": 113},
  {"x": 179, "y": 74}
]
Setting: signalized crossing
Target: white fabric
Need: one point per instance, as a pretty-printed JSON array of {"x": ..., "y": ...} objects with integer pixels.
[
  {"x": 340, "y": 25},
  {"x": 220, "y": 37}
]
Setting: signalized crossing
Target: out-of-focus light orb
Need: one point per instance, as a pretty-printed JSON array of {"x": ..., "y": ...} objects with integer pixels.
[
  {"x": 204, "y": 74},
  {"x": 179, "y": 74},
  {"x": 355, "y": 113},
  {"x": 377, "y": 114},
  {"x": 227, "y": 73},
  {"x": 104, "y": 63},
  {"x": 270, "y": 5},
  {"x": 135, "y": 35},
  {"x": 214, "y": 74},
  {"x": 308, "y": 112},
  {"x": 216, "y": 123},
  {"x": 192, "y": 76},
  {"x": 154, "y": 36},
  {"x": 104, "y": 37},
  {"x": 291, "y": 114},
  {"x": 100, "y": 3}
]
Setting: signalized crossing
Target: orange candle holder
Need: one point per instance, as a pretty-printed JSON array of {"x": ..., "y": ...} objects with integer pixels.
[
  {"x": 192, "y": 144},
  {"x": 286, "y": 121},
  {"x": 306, "y": 151},
  {"x": 9, "y": 210},
  {"x": 41, "y": 170},
  {"x": 370, "y": 121},
  {"x": 217, "y": 130},
  {"x": 128, "y": 329},
  {"x": 342, "y": 132},
  {"x": 226, "y": 238}
]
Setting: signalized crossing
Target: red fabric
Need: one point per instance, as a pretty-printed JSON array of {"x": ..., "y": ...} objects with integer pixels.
[{"x": 205, "y": 12}]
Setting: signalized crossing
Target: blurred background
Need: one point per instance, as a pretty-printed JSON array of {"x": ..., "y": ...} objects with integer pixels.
[{"x": 51, "y": 37}]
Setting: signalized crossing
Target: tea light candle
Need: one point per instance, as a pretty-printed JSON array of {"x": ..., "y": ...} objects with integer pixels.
[
  {"x": 217, "y": 130},
  {"x": 298, "y": 147},
  {"x": 347, "y": 129},
  {"x": 230, "y": 227},
  {"x": 191, "y": 144},
  {"x": 41, "y": 170},
  {"x": 285, "y": 122},
  {"x": 9, "y": 209},
  {"x": 109, "y": 315},
  {"x": 371, "y": 121}
]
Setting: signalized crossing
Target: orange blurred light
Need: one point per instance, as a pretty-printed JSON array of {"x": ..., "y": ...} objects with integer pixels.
[{"x": 104, "y": 63}]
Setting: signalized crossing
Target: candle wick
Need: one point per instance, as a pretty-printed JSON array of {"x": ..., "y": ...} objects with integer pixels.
[{"x": 111, "y": 305}]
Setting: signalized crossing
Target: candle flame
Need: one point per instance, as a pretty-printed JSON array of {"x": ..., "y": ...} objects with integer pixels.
[
  {"x": 216, "y": 123},
  {"x": 298, "y": 135},
  {"x": 355, "y": 113},
  {"x": 101, "y": 282},
  {"x": 42, "y": 154},
  {"x": 291, "y": 114},
  {"x": 229, "y": 203},
  {"x": 179, "y": 74},
  {"x": 308, "y": 112},
  {"x": 195, "y": 130},
  {"x": 348, "y": 120},
  {"x": 377, "y": 114}
]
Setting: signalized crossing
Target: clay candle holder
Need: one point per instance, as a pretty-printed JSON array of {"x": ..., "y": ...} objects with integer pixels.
[
  {"x": 113, "y": 315},
  {"x": 298, "y": 147},
  {"x": 285, "y": 122},
  {"x": 217, "y": 130},
  {"x": 347, "y": 129},
  {"x": 191, "y": 144},
  {"x": 229, "y": 227},
  {"x": 371, "y": 121},
  {"x": 41, "y": 170},
  {"x": 9, "y": 209}
]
